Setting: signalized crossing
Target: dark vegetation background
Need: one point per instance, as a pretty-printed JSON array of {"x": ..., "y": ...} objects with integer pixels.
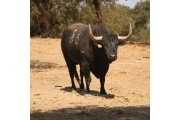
[{"x": 49, "y": 18}]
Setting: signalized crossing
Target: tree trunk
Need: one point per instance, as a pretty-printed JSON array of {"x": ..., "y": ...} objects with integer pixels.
[
  {"x": 45, "y": 8},
  {"x": 97, "y": 4}
]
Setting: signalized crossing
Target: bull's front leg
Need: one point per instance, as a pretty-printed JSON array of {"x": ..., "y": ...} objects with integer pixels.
[
  {"x": 102, "y": 81},
  {"x": 86, "y": 73}
]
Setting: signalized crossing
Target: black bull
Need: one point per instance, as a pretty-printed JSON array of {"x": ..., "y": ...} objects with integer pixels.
[{"x": 94, "y": 54}]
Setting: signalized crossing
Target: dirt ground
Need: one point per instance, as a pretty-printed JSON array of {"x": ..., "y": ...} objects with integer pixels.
[{"x": 127, "y": 84}]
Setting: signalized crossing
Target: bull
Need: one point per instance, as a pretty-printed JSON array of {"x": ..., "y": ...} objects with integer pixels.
[{"x": 93, "y": 48}]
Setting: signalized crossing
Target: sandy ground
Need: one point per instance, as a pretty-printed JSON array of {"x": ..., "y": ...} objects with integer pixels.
[{"x": 127, "y": 84}]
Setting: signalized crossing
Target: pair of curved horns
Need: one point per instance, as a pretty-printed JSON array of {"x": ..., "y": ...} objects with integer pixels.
[{"x": 100, "y": 37}]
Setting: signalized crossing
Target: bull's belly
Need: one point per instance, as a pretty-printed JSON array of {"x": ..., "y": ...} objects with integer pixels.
[{"x": 75, "y": 58}]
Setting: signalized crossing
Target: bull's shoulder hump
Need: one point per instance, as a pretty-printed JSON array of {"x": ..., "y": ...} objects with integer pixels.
[{"x": 77, "y": 25}]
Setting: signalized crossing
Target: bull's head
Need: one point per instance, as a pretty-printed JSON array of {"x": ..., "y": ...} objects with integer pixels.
[{"x": 110, "y": 42}]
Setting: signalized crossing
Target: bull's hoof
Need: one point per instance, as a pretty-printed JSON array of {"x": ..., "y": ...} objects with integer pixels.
[
  {"x": 103, "y": 92},
  {"x": 81, "y": 87},
  {"x": 74, "y": 88},
  {"x": 87, "y": 92}
]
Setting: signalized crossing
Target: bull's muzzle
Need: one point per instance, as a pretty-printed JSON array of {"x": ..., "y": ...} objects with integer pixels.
[{"x": 112, "y": 57}]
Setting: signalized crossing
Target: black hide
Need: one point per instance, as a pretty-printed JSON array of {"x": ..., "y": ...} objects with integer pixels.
[{"x": 78, "y": 48}]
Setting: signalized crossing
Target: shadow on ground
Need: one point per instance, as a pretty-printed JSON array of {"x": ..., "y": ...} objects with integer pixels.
[
  {"x": 92, "y": 92},
  {"x": 94, "y": 113},
  {"x": 36, "y": 64}
]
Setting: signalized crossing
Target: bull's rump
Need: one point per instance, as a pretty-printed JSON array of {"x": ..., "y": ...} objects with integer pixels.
[{"x": 75, "y": 42}]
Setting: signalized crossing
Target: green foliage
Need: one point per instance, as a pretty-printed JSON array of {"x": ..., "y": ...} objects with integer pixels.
[
  {"x": 144, "y": 35},
  {"x": 141, "y": 16},
  {"x": 134, "y": 37},
  {"x": 116, "y": 17},
  {"x": 62, "y": 14},
  {"x": 87, "y": 15}
]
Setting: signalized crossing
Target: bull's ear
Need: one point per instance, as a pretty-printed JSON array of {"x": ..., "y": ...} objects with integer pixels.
[
  {"x": 121, "y": 42},
  {"x": 99, "y": 45}
]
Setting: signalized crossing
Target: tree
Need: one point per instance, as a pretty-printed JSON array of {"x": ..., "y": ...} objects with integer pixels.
[
  {"x": 45, "y": 8},
  {"x": 35, "y": 20},
  {"x": 96, "y": 4},
  {"x": 53, "y": 16}
]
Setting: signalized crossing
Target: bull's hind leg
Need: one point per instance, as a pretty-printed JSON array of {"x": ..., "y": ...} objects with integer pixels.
[{"x": 72, "y": 70}]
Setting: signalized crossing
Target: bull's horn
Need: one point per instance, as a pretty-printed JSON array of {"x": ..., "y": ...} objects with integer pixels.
[
  {"x": 92, "y": 36},
  {"x": 128, "y": 36}
]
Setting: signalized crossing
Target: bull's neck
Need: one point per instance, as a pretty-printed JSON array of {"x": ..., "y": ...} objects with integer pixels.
[{"x": 100, "y": 56}]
